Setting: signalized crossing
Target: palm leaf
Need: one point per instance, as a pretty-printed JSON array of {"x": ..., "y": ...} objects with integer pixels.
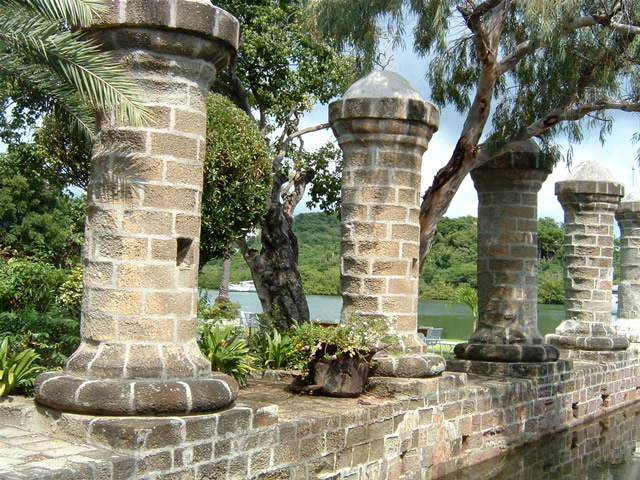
[
  {"x": 58, "y": 62},
  {"x": 72, "y": 12}
]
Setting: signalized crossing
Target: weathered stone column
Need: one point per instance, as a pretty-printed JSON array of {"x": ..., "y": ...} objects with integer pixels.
[
  {"x": 507, "y": 327},
  {"x": 589, "y": 197},
  {"x": 628, "y": 216},
  {"x": 139, "y": 353},
  {"x": 383, "y": 126}
]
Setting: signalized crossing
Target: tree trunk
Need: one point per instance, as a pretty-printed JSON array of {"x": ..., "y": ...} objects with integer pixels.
[
  {"x": 223, "y": 290},
  {"x": 275, "y": 270}
]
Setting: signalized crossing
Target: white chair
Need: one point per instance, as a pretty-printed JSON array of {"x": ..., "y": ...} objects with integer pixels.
[
  {"x": 249, "y": 320},
  {"x": 433, "y": 337}
]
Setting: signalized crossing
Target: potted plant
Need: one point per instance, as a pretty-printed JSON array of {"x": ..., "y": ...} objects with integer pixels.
[{"x": 335, "y": 360}]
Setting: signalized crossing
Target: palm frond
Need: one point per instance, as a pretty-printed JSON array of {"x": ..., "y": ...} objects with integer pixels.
[
  {"x": 77, "y": 13},
  {"x": 72, "y": 63}
]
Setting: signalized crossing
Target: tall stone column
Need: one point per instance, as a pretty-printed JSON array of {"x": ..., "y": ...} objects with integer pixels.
[
  {"x": 589, "y": 197},
  {"x": 383, "y": 126},
  {"x": 139, "y": 353},
  {"x": 628, "y": 216},
  {"x": 507, "y": 327}
]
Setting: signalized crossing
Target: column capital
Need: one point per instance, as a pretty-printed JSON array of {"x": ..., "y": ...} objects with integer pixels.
[{"x": 381, "y": 96}]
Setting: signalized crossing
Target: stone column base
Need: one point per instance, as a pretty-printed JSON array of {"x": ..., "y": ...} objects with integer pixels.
[
  {"x": 515, "y": 369},
  {"x": 594, "y": 356},
  {"x": 596, "y": 336},
  {"x": 514, "y": 352},
  {"x": 628, "y": 328},
  {"x": 408, "y": 366},
  {"x": 127, "y": 397}
]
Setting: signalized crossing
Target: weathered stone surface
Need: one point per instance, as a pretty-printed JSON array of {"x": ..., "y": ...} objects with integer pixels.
[
  {"x": 628, "y": 216},
  {"x": 589, "y": 197},
  {"x": 408, "y": 365},
  {"x": 142, "y": 237},
  {"x": 507, "y": 327},
  {"x": 383, "y": 127}
]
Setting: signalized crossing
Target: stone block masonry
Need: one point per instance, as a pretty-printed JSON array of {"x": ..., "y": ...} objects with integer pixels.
[
  {"x": 628, "y": 216},
  {"x": 139, "y": 353},
  {"x": 507, "y": 327},
  {"x": 589, "y": 197},
  {"x": 411, "y": 428},
  {"x": 383, "y": 127}
]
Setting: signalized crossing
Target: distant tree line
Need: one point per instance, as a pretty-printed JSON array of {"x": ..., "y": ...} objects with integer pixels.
[{"x": 450, "y": 266}]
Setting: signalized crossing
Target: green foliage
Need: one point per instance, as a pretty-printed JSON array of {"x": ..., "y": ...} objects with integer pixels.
[
  {"x": 237, "y": 178},
  {"x": 285, "y": 67},
  {"x": 452, "y": 260},
  {"x": 227, "y": 350},
  {"x": 49, "y": 67},
  {"x": 468, "y": 296},
  {"x": 550, "y": 238},
  {"x": 29, "y": 284},
  {"x": 54, "y": 335},
  {"x": 38, "y": 217},
  {"x": 551, "y": 58},
  {"x": 356, "y": 336},
  {"x": 17, "y": 370},
  {"x": 70, "y": 292},
  {"x": 218, "y": 311},
  {"x": 32, "y": 313},
  {"x": 272, "y": 348},
  {"x": 318, "y": 237},
  {"x": 551, "y": 281}
]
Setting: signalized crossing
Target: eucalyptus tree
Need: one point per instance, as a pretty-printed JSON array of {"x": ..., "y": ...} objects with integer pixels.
[
  {"x": 516, "y": 69},
  {"x": 282, "y": 70},
  {"x": 47, "y": 67}
]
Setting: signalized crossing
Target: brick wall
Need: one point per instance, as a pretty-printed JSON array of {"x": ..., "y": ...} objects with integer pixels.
[{"x": 412, "y": 428}]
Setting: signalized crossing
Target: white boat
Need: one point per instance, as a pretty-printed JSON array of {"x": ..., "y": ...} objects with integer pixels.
[{"x": 246, "y": 286}]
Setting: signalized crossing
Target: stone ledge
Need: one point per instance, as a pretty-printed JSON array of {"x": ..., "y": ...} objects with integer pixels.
[
  {"x": 515, "y": 369},
  {"x": 408, "y": 366},
  {"x": 135, "y": 397}
]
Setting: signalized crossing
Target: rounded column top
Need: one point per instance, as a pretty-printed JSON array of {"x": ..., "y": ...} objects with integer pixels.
[
  {"x": 384, "y": 95},
  {"x": 195, "y": 17},
  {"x": 590, "y": 177},
  {"x": 631, "y": 202},
  {"x": 525, "y": 156}
]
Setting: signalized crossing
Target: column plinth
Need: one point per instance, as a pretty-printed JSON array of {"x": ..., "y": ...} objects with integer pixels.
[
  {"x": 383, "y": 127},
  {"x": 507, "y": 327},
  {"x": 589, "y": 197},
  {"x": 138, "y": 352}
]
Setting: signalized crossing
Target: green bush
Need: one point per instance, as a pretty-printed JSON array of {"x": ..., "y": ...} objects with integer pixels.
[
  {"x": 272, "y": 349},
  {"x": 17, "y": 370},
  {"x": 227, "y": 350},
  {"x": 53, "y": 335}
]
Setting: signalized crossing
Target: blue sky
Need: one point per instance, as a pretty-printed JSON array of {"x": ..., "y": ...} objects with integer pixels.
[{"x": 618, "y": 154}]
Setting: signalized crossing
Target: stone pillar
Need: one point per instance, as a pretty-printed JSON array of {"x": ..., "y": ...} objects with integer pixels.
[
  {"x": 139, "y": 353},
  {"x": 507, "y": 327},
  {"x": 383, "y": 126},
  {"x": 628, "y": 216},
  {"x": 589, "y": 197}
]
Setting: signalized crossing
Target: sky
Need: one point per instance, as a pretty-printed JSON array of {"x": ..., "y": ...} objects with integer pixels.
[{"x": 618, "y": 154}]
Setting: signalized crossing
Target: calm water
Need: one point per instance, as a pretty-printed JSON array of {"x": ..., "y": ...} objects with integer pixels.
[
  {"x": 607, "y": 448},
  {"x": 457, "y": 323}
]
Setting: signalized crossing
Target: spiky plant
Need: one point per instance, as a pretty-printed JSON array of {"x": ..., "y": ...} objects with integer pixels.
[{"x": 46, "y": 66}]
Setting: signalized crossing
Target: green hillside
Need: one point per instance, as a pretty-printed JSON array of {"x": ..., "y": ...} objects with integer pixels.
[
  {"x": 319, "y": 261},
  {"x": 450, "y": 264}
]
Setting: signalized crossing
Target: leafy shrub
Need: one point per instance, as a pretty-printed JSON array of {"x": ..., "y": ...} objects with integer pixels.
[
  {"x": 219, "y": 311},
  {"x": 356, "y": 336},
  {"x": 227, "y": 350},
  {"x": 53, "y": 335},
  {"x": 70, "y": 292},
  {"x": 30, "y": 284},
  {"x": 17, "y": 370},
  {"x": 272, "y": 348}
]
